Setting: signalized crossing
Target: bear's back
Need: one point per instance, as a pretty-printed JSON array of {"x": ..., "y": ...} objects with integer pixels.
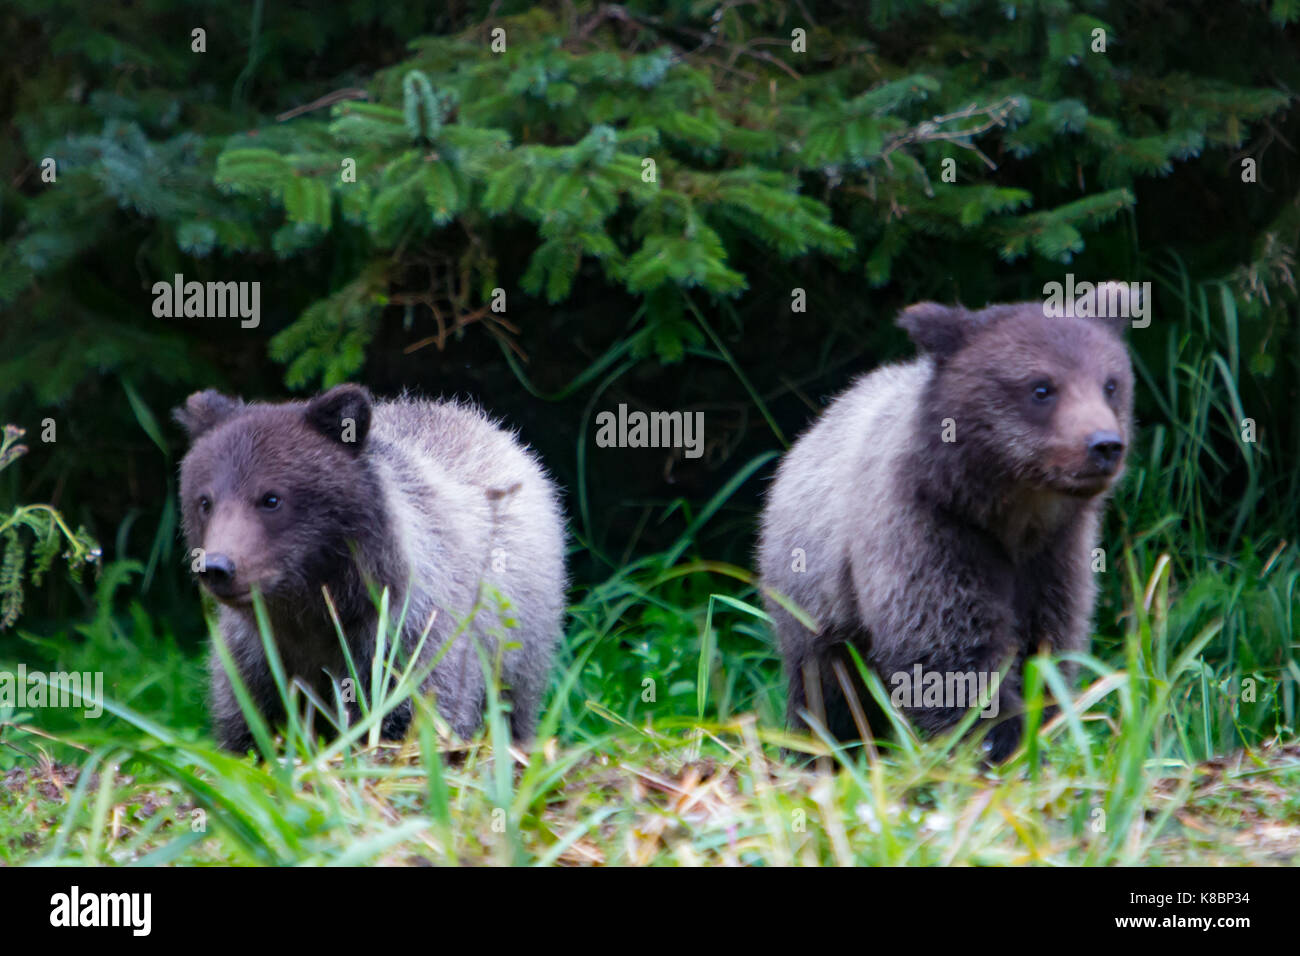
[
  {"x": 467, "y": 498},
  {"x": 842, "y": 490},
  {"x": 459, "y": 437}
]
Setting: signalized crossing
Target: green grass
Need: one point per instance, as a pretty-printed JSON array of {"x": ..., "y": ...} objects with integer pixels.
[
  {"x": 662, "y": 739},
  {"x": 1130, "y": 772},
  {"x": 691, "y": 793}
]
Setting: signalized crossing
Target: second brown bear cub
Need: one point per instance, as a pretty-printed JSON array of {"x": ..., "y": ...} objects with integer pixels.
[
  {"x": 942, "y": 514},
  {"x": 344, "y": 494}
]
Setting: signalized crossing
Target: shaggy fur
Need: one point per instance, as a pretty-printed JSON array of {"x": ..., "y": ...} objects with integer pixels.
[
  {"x": 959, "y": 556},
  {"x": 430, "y": 499}
]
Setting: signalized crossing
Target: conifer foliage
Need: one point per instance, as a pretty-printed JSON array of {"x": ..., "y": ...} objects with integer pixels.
[{"x": 659, "y": 149}]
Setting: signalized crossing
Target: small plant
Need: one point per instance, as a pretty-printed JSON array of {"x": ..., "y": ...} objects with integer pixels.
[{"x": 33, "y": 553}]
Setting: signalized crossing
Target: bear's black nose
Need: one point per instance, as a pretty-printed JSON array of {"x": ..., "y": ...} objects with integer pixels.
[
  {"x": 218, "y": 573},
  {"x": 1104, "y": 450}
]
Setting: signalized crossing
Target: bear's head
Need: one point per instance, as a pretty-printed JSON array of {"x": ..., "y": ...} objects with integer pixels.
[
  {"x": 1037, "y": 403},
  {"x": 275, "y": 496}
]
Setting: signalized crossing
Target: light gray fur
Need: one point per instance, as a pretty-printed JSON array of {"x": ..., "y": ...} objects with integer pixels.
[{"x": 460, "y": 488}]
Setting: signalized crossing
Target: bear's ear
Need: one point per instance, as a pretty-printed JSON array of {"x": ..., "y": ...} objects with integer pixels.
[
  {"x": 343, "y": 415},
  {"x": 938, "y": 329},
  {"x": 1118, "y": 303},
  {"x": 203, "y": 410}
]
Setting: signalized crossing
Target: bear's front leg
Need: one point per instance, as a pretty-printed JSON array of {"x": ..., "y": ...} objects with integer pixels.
[
  {"x": 397, "y": 722},
  {"x": 953, "y": 648},
  {"x": 1006, "y": 727},
  {"x": 229, "y": 724},
  {"x": 952, "y": 682}
]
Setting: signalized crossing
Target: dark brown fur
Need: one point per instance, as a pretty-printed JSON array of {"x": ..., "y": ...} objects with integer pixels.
[
  {"x": 959, "y": 556},
  {"x": 414, "y": 496}
]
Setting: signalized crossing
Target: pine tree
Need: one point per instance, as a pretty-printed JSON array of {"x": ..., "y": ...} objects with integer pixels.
[{"x": 671, "y": 154}]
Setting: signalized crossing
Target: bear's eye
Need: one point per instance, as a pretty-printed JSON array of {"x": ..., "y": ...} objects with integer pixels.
[
  {"x": 1111, "y": 386},
  {"x": 205, "y": 505},
  {"x": 1042, "y": 391},
  {"x": 269, "y": 502}
]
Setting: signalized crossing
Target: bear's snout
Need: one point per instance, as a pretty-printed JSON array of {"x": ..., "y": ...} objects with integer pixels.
[
  {"x": 218, "y": 575},
  {"x": 1105, "y": 449}
]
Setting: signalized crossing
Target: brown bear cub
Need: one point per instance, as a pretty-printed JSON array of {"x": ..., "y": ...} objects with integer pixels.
[
  {"x": 941, "y": 516},
  {"x": 343, "y": 494}
]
